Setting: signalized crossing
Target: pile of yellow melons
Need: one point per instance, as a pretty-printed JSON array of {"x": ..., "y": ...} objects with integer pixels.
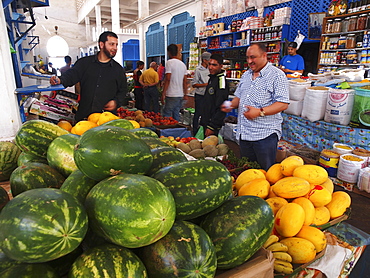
[
  {"x": 94, "y": 120},
  {"x": 301, "y": 197}
]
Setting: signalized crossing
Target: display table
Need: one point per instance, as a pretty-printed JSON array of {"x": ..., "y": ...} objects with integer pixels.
[{"x": 322, "y": 135}]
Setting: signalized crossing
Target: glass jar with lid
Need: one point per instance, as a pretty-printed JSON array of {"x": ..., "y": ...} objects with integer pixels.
[
  {"x": 352, "y": 23},
  {"x": 345, "y": 23},
  {"x": 361, "y": 22},
  {"x": 329, "y": 26},
  {"x": 337, "y": 25},
  {"x": 351, "y": 41}
]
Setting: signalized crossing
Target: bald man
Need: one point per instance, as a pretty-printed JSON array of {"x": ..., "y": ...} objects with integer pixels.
[{"x": 149, "y": 80}]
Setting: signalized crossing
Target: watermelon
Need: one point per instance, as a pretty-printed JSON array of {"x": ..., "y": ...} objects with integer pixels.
[
  {"x": 198, "y": 186},
  {"x": 130, "y": 210},
  {"x": 126, "y": 124},
  {"x": 186, "y": 251},
  {"x": 30, "y": 271},
  {"x": 144, "y": 132},
  {"x": 238, "y": 229},
  {"x": 9, "y": 153},
  {"x": 24, "y": 158},
  {"x": 60, "y": 153},
  {"x": 153, "y": 142},
  {"x": 108, "y": 260},
  {"x": 34, "y": 175},
  {"x": 4, "y": 197},
  {"x": 6, "y": 262},
  {"x": 78, "y": 185},
  {"x": 165, "y": 156},
  {"x": 106, "y": 151},
  {"x": 63, "y": 264},
  {"x": 41, "y": 225},
  {"x": 35, "y": 136},
  {"x": 91, "y": 240}
]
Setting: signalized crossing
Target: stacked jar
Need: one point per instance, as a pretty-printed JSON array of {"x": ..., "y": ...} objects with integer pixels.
[
  {"x": 352, "y": 24},
  {"x": 337, "y": 25}
]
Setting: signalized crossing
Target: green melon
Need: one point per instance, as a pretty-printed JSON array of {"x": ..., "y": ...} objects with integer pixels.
[
  {"x": 153, "y": 142},
  {"x": 108, "y": 260},
  {"x": 106, "y": 151},
  {"x": 41, "y": 225},
  {"x": 126, "y": 124},
  {"x": 24, "y": 158},
  {"x": 60, "y": 153},
  {"x": 130, "y": 210},
  {"x": 4, "y": 197},
  {"x": 238, "y": 229},
  {"x": 144, "y": 132},
  {"x": 29, "y": 271},
  {"x": 198, "y": 186},
  {"x": 34, "y": 175},
  {"x": 165, "y": 156},
  {"x": 186, "y": 251},
  {"x": 9, "y": 154},
  {"x": 35, "y": 136},
  {"x": 78, "y": 185},
  {"x": 6, "y": 262}
]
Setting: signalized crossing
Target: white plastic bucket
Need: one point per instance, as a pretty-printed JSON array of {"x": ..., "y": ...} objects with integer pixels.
[
  {"x": 342, "y": 148},
  {"x": 348, "y": 170}
]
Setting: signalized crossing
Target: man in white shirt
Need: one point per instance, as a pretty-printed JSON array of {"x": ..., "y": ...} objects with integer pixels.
[{"x": 175, "y": 84}]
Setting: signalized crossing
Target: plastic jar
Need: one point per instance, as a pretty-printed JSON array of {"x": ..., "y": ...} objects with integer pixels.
[
  {"x": 345, "y": 23},
  {"x": 351, "y": 41},
  {"x": 342, "y": 41},
  {"x": 337, "y": 25},
  {"x": 329, "y": 160},
  {"x": 329, "y": 26},
  {"x": 352, "y": 23},
  {"x": 342, "y": 148},
  {"x": 361, "y": 22}
]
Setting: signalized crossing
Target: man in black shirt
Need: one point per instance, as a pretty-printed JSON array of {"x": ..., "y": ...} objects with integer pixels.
[{"x": 103, "y": 81}]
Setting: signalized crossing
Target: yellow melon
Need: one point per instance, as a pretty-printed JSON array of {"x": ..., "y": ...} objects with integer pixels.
[
  {"x": 314, "y": 174},
  {"x": 290, "y": 163},
  {"x": 276, "y": 203},
  {"x": 301, "y": 250},
  {"x": 339, "y": 203},
  {"x": 135, "y": 123},
  {"x": 291, "y": 187},
  {"x": 322, "y": 216},
  {"x": 248, "y": 175},
  {"x": 274, "y": 173},
  {"x": 257, "y": 187},
  {"x": 315, "y": 235},
  {"x": 271, "y": 193},
  {"x": 83, "y": 126},
  {"x": 329, "y": 185},
  {"x": 65, "y": 125},
  {"x": 319, "y": 196},
  {"x": 289, "y": 220},
  {"x": 308, "y": 207},
  {"x": 94, "y": 117},
  {"x": 106, "y": 117}
]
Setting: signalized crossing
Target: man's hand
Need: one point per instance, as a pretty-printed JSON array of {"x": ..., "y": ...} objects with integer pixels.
[
  {"x": 111, "y": 105},
  {"x": 209, "y": 132},
  {"x": 54, "y": 80},
  {"x": 251, "y": 112}
]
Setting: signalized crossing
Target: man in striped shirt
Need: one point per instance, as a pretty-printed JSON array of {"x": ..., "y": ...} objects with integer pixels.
[{"x": 260, "y": 97}]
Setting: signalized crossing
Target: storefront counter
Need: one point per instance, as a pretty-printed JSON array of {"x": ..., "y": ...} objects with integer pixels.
[{"x": 322, "y": 135}]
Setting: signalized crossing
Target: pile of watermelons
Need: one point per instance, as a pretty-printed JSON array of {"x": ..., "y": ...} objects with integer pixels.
[{"x": 118, "y": 203}]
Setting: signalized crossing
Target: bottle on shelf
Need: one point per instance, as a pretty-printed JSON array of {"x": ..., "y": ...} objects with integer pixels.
[{"x": 350, "y": 8}]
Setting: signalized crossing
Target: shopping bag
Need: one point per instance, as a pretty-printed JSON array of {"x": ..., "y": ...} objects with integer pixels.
[{"x": 200, "y": 133}]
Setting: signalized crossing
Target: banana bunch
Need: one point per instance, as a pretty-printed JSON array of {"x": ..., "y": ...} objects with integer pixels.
[{"x": 283, "y": 261}]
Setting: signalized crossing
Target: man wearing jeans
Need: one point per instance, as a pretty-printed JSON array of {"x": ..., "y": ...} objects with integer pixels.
[
  {"x": 260, "y": 97},
  {"x": 175, "y": 83}
]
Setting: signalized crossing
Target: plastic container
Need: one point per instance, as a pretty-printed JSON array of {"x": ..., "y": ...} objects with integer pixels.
[
  {"x": 352, "y": 24},
  {"x": 361, "y": 22},
  {"x": 349, "y": 167},
  {"x": 329, "y": 26},
  {"x": 342, "y": 148},
  {"x": 345, "y": 23},
  {"x": 329, "y": 160},
  {"x": 351, "y": 41},
  {"x": 365, "y": 154},
  {"x": 337, "y": 25}
]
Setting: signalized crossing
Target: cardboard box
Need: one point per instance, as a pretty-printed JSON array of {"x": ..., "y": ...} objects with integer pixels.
[{"x": 260, "y": 265}]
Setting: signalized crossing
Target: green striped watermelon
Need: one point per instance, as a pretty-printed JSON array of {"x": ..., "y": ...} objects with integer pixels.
[
  {"x": 238, "y": 229},
  {"x": 144, "y": 132},
  {"x": 106, "y": 151},
  {"x": 6, "y": 262},
  {"x": 126, "y": 124},
  {"x": 186, "y": 251},
  {"x": 198, "y": 186},
  {"x": 153, "y": 142},
  {"x": 130, "y": 210},
  {"x": 35, "y": 136},
  {"x": 165, "y": 156},
  {"x": 4, "y": 197},
  {"x": 30, "y": 271},
  {"x": 34, "y": 175},
  {"x": 78, "y": 185},
  {"x": 63, "y": 264},
  {"x": 41, "y": 224},
  {"x": 108, "y": 260},
  {"x": 24, "y": 158},
  {"x": 60, "y": 153},
  {"x": 9, "y": 153}
]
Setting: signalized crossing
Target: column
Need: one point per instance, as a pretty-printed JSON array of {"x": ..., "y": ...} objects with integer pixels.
[
  {"x": 143, "y": 8},
  {"x": 98, "y": 21},
  {"x": 88, "y": 29},
  {"x": 10, "y": 120},
  {"x": 114, "y": 9}
]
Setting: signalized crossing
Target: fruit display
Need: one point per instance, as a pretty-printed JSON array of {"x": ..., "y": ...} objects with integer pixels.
[
  {"x": 146, "y": 118},
  {"x": 9, "y": 154},
  {"x": 283, "y": 260}
]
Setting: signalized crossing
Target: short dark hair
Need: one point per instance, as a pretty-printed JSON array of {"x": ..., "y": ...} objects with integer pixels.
[
  {"x": 261, "y": 46},
  {"x": 67, "y": 59},
  {"x": 218, "y": 58},
  {"x": 172, "y": 49},
  {"x": 104, "y": 36},
  {"x": 293, "y": 44},
  {"x": 139, "y": 63}
]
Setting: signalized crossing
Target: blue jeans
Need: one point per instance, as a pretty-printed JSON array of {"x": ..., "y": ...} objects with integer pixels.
[
  {"x": 198, "y": 99},
  {"x": 151, "y": 97},
  {"x": 263, "y": 151},
  {"x": 172, "y": 107}
]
